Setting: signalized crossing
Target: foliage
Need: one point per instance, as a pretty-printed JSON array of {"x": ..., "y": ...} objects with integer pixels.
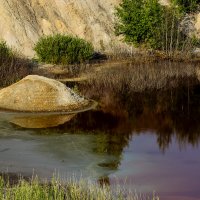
[
  {"x": 172, "y": 37},
  {"x": 5, "y": 51},
  {"x": 140, "y": 21},
  {"x": 186, "y": 5},
  {"x": 195, "y": 41},
  {"x": 12, "y": 66},
  {"x": 55, "y": 190},
  {"x": 63, "y": 49},
  {"x": 147, "y": 24}
]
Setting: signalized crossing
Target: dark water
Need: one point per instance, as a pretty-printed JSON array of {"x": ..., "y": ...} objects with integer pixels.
[{"x": 148, "y": 141}]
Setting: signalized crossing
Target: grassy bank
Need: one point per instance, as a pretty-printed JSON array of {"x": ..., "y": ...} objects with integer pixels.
[
  {"x": 100, "y": 72},
  {"x": 56, "y": 190}
]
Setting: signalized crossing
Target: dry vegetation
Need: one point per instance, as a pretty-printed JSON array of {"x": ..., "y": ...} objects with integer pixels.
[
  {"x": 13, "y": 66},
  {"x": 127, "y": 78}
]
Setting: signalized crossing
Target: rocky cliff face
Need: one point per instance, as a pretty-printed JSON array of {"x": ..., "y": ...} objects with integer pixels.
[
  {"x": 22, "y": 22},
  {"x": 197, "y": 24}
]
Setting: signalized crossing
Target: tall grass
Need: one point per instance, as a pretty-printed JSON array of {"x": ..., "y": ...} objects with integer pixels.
[
  {"x": 56, "y": 190},
  {"x": 13, "y": 67},
  {"x": 123, "y": 80}
]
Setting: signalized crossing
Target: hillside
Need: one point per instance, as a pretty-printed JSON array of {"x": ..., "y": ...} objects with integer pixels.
[{"x": 22, "y": 22}]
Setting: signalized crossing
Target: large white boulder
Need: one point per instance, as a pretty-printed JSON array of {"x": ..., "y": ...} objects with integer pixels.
[{"x": 40, "y": 94}]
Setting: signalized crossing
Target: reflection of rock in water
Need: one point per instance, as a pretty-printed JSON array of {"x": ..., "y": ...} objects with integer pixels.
[{"x": 44, "y": 121}]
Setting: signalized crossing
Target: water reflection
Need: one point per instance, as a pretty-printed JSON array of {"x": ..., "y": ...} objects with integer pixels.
[
  {"x": 41, "y": 121},
  {"x": 168, "y": 112},
  {"x": 173, "y": 112},
  {"x": 24, "y": 148},
  {"x": 126, "y": 136},
  {"x": 35, "y": 120}
]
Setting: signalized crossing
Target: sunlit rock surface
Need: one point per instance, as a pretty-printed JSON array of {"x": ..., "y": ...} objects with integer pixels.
[
  {"x": 39, "y": 94},
  {"x": 22, "y": 22},
  {"x": 165, "y": 2},
  {"x": 197, "y": 24}
]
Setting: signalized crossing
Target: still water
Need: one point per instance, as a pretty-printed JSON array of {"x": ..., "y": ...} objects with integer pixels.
[{"x": 150, "y": 142}]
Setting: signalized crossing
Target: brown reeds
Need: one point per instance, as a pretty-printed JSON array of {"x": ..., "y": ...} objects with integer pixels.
[
  {"x": 122, "y": 79},
  {"x": 13, "y": 66}
]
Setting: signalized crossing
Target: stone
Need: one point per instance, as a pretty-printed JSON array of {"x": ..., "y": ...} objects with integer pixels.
[
  {"x": 197, "y": 24},
  {"x": 40, "y": 94},
  {"x": 165, "y": 2},
  {"x": 23, "y": 22}
]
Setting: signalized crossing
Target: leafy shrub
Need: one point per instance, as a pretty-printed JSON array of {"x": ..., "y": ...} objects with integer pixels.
[
  {"x": 195, "y": 41},
  {"x": 5, "y": 51},
  {"x": 146, "y": 23},
  {"x": 63, "y": 49},
  {"x": 187, "y": 5},
  {"x": 140, "y": 22}
]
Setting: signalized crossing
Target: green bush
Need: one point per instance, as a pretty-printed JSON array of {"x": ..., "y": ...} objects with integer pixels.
[
  {"x": 186, "y": 5},
  {"x": 5, "y": 51},
  {"x": 63, "y": 49},
  {"x": 195, "y": 41},
  {"x": 148, "y": 24},
  {"x": 139, "y": 21}
]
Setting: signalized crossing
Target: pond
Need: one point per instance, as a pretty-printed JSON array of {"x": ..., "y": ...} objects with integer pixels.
[{"x": 148, "y": 141}]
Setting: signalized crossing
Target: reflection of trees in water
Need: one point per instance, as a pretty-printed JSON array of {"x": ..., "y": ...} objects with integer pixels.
[
  {"x": 171, "y": 112},
  {"x": 167, "y": 113},
  {"x": 111, "y": 138}
]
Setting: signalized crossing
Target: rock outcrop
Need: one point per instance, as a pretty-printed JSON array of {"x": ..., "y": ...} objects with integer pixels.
[
  {"x": 39, "y": 94},
  {"x": 197, "y": 24},
  {"x": 165, "y": 2},
  {"x": 22, "y": 22}
]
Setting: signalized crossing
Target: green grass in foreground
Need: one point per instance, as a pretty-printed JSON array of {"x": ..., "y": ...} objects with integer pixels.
[{"x": 55, "y": 190}]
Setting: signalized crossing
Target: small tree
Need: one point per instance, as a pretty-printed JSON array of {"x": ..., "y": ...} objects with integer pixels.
[
  {"x": 148, "y": 24},
  {"x": 63, "y": 49},
  {"x": 139, "y": 21}
]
